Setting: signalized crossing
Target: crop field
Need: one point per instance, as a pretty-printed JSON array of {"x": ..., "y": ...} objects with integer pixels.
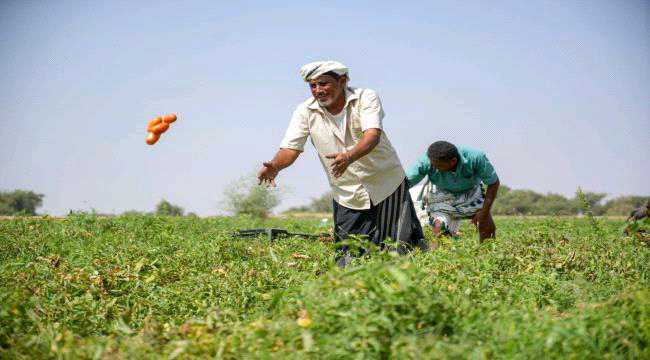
[{"x": 163, "y": 287}]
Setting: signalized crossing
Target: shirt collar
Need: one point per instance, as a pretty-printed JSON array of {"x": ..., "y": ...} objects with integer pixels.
[{"x": 350, "y": 94}]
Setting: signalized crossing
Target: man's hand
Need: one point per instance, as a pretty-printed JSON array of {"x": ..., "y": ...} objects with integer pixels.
[
  {"x": 485, "y": 224},
  {"x": 369, "y": 140},
  {"x": 483, "y": 219},
  {"x": 270, "y": 169},
  {"x": 267, "y": 173},
  {"x": 340, "y": 163}
]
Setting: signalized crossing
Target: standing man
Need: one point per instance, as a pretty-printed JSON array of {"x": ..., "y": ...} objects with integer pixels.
[
  {"x": 367, "y": 179},
  {"x": 457, "y": 174}
]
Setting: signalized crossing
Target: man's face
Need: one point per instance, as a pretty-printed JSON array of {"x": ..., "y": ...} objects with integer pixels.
[
  {"x": 444, "y": 165},
  {"x": 326, "y": 90}
]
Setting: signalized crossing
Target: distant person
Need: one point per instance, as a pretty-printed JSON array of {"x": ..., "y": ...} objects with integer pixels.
[
  {"x": 458, "y": 174},
  {"x": 640, "y": 213},
  {"x": 367, "y": 179},
  {"x": 635, "y": 225}
]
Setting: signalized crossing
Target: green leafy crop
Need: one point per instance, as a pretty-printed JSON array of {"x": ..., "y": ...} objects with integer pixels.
[{"x": 170, "y": 287}]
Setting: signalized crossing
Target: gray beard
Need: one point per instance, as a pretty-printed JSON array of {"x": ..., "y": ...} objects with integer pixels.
[{"x": 322, "y": 104}]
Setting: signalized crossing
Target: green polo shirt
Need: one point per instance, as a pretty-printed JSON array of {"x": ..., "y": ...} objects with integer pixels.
[{"x": 473, "y": 168}]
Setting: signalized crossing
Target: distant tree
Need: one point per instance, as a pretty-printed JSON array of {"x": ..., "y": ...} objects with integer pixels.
[
  {"x": 166, "y": 208},
  {"x": 503, "y": 189},
  {"x": 246, "y": 197},
  {"x": 322, "y": 203},
  {"x": 133, "y": 213},
  {"x": 527, "y": 202},
  {"x": 5, "y": 208},
  {"x": 555, "y": 204},
  {"x": 302, "y": 208},
  {"x": 20, "y": 202},
  {"x": 516, "y": 202},
  {"x": 593, "y": 200},
  {"x": 624, "y": 205}
]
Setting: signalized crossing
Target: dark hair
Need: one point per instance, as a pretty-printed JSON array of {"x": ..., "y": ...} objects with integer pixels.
[{"x": 442, "y": 150}]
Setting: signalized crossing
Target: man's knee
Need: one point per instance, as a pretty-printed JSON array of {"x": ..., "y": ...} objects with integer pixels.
[{"x": 437, "y": 226}]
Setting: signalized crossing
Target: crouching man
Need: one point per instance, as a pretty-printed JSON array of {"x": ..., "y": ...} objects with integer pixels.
[
  {"x": 638, "y": 221},
  {"x": 371, "y": 200},
  {"x": 458, "y": 174}
]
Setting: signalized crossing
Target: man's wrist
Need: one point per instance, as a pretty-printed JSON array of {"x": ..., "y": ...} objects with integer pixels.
[
  {"x": 348, "y": 155},
  {"x": 274, "y": 165}
]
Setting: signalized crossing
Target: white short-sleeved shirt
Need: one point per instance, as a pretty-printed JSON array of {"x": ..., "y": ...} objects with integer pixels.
[
  {"x": 339, "y": 119},
  {"x": 368, "y": 180}
]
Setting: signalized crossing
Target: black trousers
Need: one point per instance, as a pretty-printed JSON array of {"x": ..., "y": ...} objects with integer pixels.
[{"x": 393, "y": 218}]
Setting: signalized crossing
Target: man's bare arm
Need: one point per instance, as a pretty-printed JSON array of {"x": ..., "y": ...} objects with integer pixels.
[
  {"x": 368, "y": 141},
  {"x": 490, "y": 195},
  {"x": 483, "y": 214},
  {"x": 270, "y": 169},
  {"x": 284, "y": 158},
  {"x": 483, "y": 219}
]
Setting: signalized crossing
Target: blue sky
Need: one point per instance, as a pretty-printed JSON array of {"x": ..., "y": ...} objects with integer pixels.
[{"x": 557, "y": 93}]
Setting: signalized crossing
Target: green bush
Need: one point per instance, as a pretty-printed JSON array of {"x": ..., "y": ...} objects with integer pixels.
[
  {"x": 623, "y": 205},
  {"x": 528, "y": 202},
  {"x": 20, "y": 202},
  {"x": 246, "y": 197},
  {"x": 165, "y": 208},
  {"x": 320, "y": 204}
]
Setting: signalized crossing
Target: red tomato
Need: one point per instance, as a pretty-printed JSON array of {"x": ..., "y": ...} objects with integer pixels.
[
  {"x": 152, "y": 138},
  {"x": 160, "y": 128},
  {"x": 169, "y": 118},
  {"x": 155, "y": 121}
]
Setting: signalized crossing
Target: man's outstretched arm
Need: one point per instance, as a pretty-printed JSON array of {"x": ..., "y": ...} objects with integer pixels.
[
  {"x": 270, "y": 169},
  {"x": 418, "y": 171}
]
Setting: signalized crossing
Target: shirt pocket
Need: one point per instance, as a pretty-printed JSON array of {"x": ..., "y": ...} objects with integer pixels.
[
  {"x": 322, "y": 138},
  {"x": 355, "y": 126}
]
